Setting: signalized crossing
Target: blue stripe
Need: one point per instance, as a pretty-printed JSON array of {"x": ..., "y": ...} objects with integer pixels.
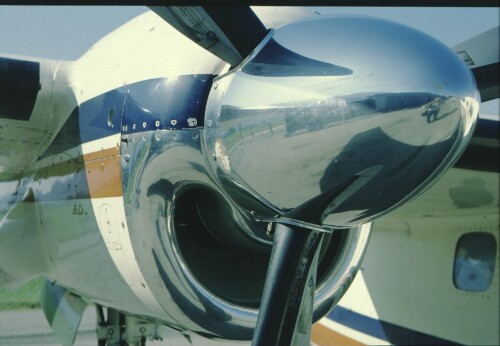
[
  {"x": 101, "y": 116},
  {"x": 155, "y": 104},
  {"x": 384, "y": 330},
  {"x": 174, "y": 104}
]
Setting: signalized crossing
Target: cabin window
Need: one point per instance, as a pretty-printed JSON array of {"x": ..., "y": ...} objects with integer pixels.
[{"x": 474, "y": 261}]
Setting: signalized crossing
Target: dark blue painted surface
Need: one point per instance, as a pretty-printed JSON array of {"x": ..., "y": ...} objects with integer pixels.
[
  {"x": 175, "y": 103},
  {"x": 155, "y": 104},
  {"x": 101, "y": 116}
]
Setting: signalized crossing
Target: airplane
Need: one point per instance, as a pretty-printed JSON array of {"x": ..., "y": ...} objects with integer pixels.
[{"x": 220, "y": 173}]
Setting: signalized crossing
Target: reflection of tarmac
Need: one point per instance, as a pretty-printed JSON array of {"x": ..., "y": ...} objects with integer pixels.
[
  {"x": 29, "y": 327},
  {"x": 273, "y": 164}
]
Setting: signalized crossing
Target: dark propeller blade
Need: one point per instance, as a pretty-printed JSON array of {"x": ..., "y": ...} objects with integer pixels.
[
  {"x": 286, "y": 310},
  {"x": 229, "y": 32},
  {"x": 487, "y": 81}
]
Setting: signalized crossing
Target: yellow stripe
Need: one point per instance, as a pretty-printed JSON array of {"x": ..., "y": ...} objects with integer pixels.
[
  {"x": 323, "y": 336},
  {"x": 104, "y": 177}
]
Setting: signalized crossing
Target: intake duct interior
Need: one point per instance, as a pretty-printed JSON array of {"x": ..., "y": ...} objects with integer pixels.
[{"x": 219, "y": 252}]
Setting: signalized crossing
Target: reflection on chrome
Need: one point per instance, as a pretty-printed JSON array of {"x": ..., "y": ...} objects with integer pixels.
[{"x": 379, "y": 109}]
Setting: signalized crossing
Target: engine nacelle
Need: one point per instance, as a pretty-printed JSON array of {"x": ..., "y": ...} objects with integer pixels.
[
  {"x": 205, "y": 259},
  {"x": 360, "y": 113}
]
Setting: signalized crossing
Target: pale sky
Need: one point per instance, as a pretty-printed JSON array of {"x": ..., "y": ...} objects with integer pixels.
[{"x": 66, "y": 32}]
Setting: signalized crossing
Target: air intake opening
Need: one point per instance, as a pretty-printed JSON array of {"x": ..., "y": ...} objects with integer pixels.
[
  {"x": 222, "y": 257},
  {"x": 216, "y": 249}
]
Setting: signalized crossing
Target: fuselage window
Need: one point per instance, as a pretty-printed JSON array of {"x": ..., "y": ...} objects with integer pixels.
[{"x": 475, "y": 261}]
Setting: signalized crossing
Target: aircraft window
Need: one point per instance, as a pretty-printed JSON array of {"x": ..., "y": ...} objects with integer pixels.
[{"x": 474, "y": 261}]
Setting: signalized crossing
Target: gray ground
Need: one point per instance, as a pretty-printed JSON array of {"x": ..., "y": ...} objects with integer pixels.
[{"x": 29, "y": 327}]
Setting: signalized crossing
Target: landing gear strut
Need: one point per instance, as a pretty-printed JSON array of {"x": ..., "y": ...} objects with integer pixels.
[{"x": 122, "y": 330}]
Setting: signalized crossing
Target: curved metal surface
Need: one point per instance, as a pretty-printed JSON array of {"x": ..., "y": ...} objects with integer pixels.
[
  {"x": 160, "y": 167},
  {"x": 351, "y": 99},
  {"x": 371, "y": 110},
  {"x": 347, "y": 263}
]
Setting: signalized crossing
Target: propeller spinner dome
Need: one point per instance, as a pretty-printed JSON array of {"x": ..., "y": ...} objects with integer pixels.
[{"x": 359, "y": 113}]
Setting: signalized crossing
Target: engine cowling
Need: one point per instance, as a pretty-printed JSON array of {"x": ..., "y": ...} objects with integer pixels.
[{"x": 361, "y": 114}]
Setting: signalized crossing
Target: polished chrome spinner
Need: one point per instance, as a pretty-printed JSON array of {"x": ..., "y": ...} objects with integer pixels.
[{"x": 369, "y": 108}]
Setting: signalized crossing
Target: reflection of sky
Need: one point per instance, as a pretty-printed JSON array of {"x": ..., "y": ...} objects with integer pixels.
[
  {"x": 59, "y": 185},
  {"x": 250, "y": 91},
  {"x": 384, "y": 59}
]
